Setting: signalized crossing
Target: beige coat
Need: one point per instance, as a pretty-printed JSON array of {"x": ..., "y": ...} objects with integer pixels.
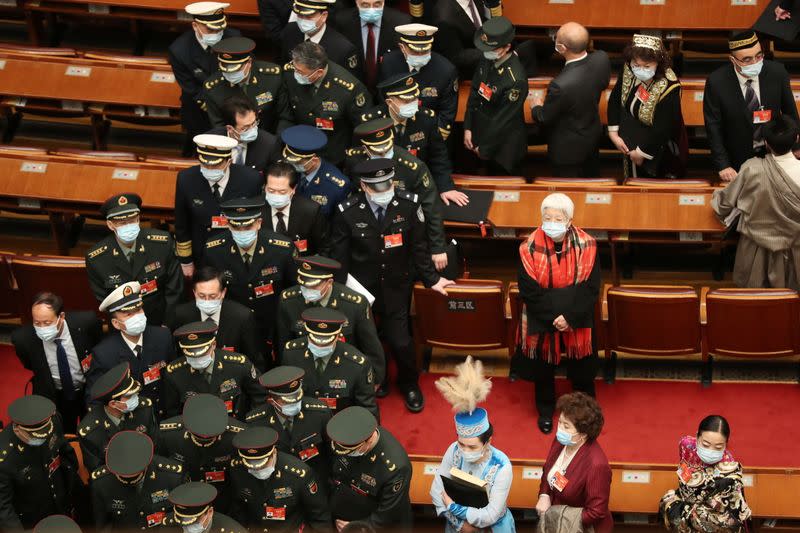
[
  {"x": 768, "y": 254},
  {"x": 563, "y": 519}
]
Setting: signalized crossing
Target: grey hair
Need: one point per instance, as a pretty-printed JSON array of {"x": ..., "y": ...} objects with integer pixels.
[
  {"x": 559, "y": 201},
  {"x": 310, "y": 54}
]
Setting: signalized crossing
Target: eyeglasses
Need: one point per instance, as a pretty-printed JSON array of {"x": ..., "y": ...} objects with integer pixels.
[{"x": 749, "y": 60}]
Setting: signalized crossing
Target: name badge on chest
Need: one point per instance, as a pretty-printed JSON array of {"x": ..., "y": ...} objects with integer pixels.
[
  {"x": 762, "y": 116},
  {"x": 149, "y": 287},
  {"x": 485, "y": 91},
  {"x": 309, "y": 453},
  {"x": 155, "y": 519},
  {"x": 153, "y": 374},
  {"x": 274, "y": 513},
  {"x": 325, "y": 124},
  {"x": 218, "y": 222},
  {"x": 559, "y": 482},
  {"x": 264, "y": 290},
  {"x": 393, "y": 241},
  {"x": 642, "y": 94}
]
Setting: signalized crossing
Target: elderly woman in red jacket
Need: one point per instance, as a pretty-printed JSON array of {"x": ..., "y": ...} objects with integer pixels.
[{"x": 576, "y": 473}]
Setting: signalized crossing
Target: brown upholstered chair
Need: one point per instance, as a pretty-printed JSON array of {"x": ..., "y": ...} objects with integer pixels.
[
  {"x": 65, "y": 276},
  {"x": 8, "y": 293},
  {"x": 750, "y": 324},
  {"x": 123, "y": 59},
  {"x": 681, "y": 183},
  {"x": 652, "y": 321},
  {"x": 470, "y": 317},
  {"x": 23, "y": 150},
  {"x": 600, "y": 182},
  {"x": 94, "y": 154},
  {"x": 37, "y": 50},
  {"x": 486, "y": 181},
  {"x": 171, "y": 162}
]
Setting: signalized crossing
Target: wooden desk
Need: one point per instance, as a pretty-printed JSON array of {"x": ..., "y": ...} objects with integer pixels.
[
  {"x": 630, "y": 14},
  {"x": 85, "y": 80}
]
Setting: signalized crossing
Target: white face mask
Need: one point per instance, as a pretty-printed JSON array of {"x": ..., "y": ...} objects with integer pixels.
[
  {"x": 136, "y": 324},
  {"x": 382, "y": 198},
  {"x": 643, "y": 74},
  {"x": 321, "y": 351},
  {"x": 213, "y": 175},
  {"x": 306, "y": 26},
  {"x": 292, "y": 409},
  {"x": 554, "y": 230},
  {"x": 208, "y": 307},
  {"x": 408, "y": 110},
  {"x": 249, "y": 135},
  {"x": 278, "y": 201},
  {"x": 210, "y": 39},
  {"x": 310, "y": 295},
  {"x": 235, "y": 77},
  {"x": 472, "y": 456},
  {"x": 131, "y": 403},
  {"x": 200, "y": 363},
  {"x": 197, "y": 527},
  {"x": 262, "y": 473},
  {"x": 492, "y": 55},
  {"x": 418, "y": 61},
  {"x": 35, "y": 442}
]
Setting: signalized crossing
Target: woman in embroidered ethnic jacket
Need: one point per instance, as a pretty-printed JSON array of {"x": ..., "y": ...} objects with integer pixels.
[{"x": 645, "y": 121}]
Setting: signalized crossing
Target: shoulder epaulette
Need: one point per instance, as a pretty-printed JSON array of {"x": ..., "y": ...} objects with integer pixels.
[
  {"x": 236, "y": 461},
  {"x": 355, "y": 298},
  {"x": 175, "y": 365},
  {"x": 375, "y": 113},
  {"x": 97, "y": 251},
  {"x": 213, "y": 81},
  {"x": 158, "y": 236},
  {"x": 288, "y": 66},
  {"x": 215, "y": 242},
  {"x": 315, "y": 404},
  {"x": 235, "y": 358},
  {"x": 168, "y": 465},
  {"x": 344, "y": 83},
  {"x": 88, "y": 425},
  {"x": 147, "y": 402},
  {"x": 296, "y": 343},
  {"x": 281, "y": 243},
  {"x": 357, "y": 358},
  {"x": 270, "y": 70},
  {"x": 299, "y": 472},
  {"x": 338, "y": 181},
  {"x": 410, "y": 164},
  {"x": 347, "y": 204},
  {"x": 407, "y": 195},
  {"x": 429, "y": 112},
  {"x": 99, "y": 472},
  {"x": 356, "y": 150},
  {"x": 169, "y": 426},
  {"x": 254, "y": 415},
  {"x": 290, "y": 293}
]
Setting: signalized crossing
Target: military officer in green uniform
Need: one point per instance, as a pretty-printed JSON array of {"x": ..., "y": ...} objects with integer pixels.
[
  {"x": 200, "y": 440},
  {"x": 119, "y": 408},
  {"x": 256, "y": 261},
  {"x": 131, "y": 490},
  {"x": 194, "y": 508},
  {"x": 272, "y": 490},
  {"x": 371, "y": 473},
  {"x": 494, "y": 122},
  {"x": 133, "y": 253},
  {"x": 316, "y": 288},
  {"x": 410, "y": 174},
  {"x": 336, "y": 373},
  {"x": 38, "y": 468},
  {"x": 204, "y": 368},
  {"x": 300, "y": 422},
  {"x": 241, "y": 74},
  {"x": 324, "y": 95}
]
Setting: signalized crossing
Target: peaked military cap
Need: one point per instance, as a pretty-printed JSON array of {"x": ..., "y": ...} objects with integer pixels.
[
  {"x": 195, "y": 338},
  {"x": 34, "y": 414},
  {"x": 418, "y": 37},
  {"x": 191, "y": 500},
  {"x": 495, "y": 32},
  {"x": 302, "y": 141},
  {"x": 129, "y": 453},
  {"x": 213, "y": 149},
  {"x": 284, "y": 381},
  {"x": 256, "y": 445},
  {"x": 243, "y": 211},
  {"x": 210, "y": 14},
  {"x": 205, "y": 416},
  {"x": 126, "y": 297},
  {"x": 116, "y": 383},
  {"x": 121, "y": 206},
  {"x": 349, "y": 428},
  {"x": 313, "y": 269},
  {"x": 233, "y": 52}
]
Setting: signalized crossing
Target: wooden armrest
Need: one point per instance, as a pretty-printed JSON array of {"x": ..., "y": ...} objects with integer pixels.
[
  {"x": 576, "y": 181},
  {"x": 94, "y": 154},
  {"x": 676, "y": 183},
  {"x": 703, "y": 315},
  {"x": 38, "y": 51},
  {"x": 130, "y": 60}
]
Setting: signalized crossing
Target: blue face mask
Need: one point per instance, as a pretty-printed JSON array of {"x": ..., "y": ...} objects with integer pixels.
[
  {"x": 278, "y": 201},
  {"x": 408, "y": 110},
  {"x": 370, "y": 15},
  {"x": 47, "y": 333},
  {"x": 249, "y": 135},
  {"x": 554, "y": 230},
  {"x": 291, "y": 409},
  {"x": 302, "y": 80},
  {"x": 564, "y": 438},
  {"x": 213, "y": 175},
  {"x": 208, "y": 307},
  {"x": 321, "y": 351},
  {"x": 382, "y": 198},
  {"x": 234, "y": 77},
  {"x": 244, "y": 239},
  {"x": 210, "y": 39},
  {"x": 709, "y": 457},
  {"x": 643, "y": 74},
  {"x": 752, "y": 71},
  {"x": 492, "y": 55},
  {"x": 128, "y": 232},
  {"x": 418, "y": 61},
  {"x": 135, "y": 325},
  {"x": 310, "y": 295},
  {"x": 306, "y": 26}
]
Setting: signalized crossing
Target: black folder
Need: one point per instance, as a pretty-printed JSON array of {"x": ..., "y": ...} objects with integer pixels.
[
  {"x": 475, "y": 212},
  {"x": 465, "y": 493},
  {"x": 786, "y": 30}
]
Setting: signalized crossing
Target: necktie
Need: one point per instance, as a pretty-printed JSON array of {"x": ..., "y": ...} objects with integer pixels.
[
  {"x": 751, "y": 100},
  {"x": 280, "y": 227},
  {"x": 320, "y": 364},
  {"x": 379, "y": 214},
  {"x": 401, "y": 130},
  {"x": 138, "y": 351},
  {"x": 67, "y": 386},
  {"x": 247, "y": 260},
  {"x": 215, "y": 190},
  {"x": 240, "y": 156},
  {"x": 129, "y": 255},
  {"x": 370, "y": 60},
  {"x": 475, "y": 16},
  {"x": 287, "y": 424}
]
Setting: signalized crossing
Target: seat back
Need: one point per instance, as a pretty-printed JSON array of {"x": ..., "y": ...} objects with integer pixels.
[
  {"x": 685, "y": 183},
  {"x": 83, "y": 473},
  {"x": 753, "y": 323},
  {"x": 8, "y": 295},
  {"x": 471, "y": 316},
  {"x": 654, "y": 320},
  {"x": 468, "y": 180},
  {"x": 64, "y": 276},
  {"x": 599, "y": 182},
  {"x": 126, "y": 59},
  {"x": 7, "y": 149},
  {"x": 38, "y": 51},
  {"x": 94, "y": 154},
  {"x": 172, "y": 162}
]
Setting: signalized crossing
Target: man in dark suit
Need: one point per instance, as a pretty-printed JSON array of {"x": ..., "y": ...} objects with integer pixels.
[
  {"x": 146, "y": 348},
  {"x": 437, "y": 76},
  {"x": 570, "y": 116},
  {"x": 311, "y": 25},
  {"x": 295, "y": 216},
  {"x": 257, "y": 147},
  {"x": 370, "y": 26},
  {"x": 56, "y": 349},
  {"x": 274, "y": 16},
  {"x": 457, "y": 21},
  {"x": 237, "y": 327},
  {"x": 739, "y": 99},
  {"x": 200, "y": 190},
  {"x": 193, "y": 61}
]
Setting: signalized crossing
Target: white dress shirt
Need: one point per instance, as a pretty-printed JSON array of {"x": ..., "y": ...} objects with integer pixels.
[
  {"x": 222, "y": 183},
  {"x": 72, "y": 358},
  {"x": 132, "y": 345},
  {"x": 743, "y": 84},
  {"x": 376, "y": 31},
  {"x": 468, "y": 10},
  {"x": 285, "y": 212},
  {"x": 585, "y": 54},
  {"x": 790, "y": 165},
  {"x": 239, "y": 156}
]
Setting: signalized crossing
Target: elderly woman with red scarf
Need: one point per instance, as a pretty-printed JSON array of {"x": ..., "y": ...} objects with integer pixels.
[{"x": 559, "y": 280}]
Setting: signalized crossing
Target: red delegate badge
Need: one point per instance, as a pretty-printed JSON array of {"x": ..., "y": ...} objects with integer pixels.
[
  {"x": 330, "y": 402},
  {"x": 149, "y": 287},
  {"x": 642, "y": 94},
  {"x": 309, "y": 453},
  {"x": 229, "y": 406},
  {"x": 215, "y": 477},
  {"x": 485, "y": 91},
  {"x": 301, "y": 245},
  {"x": 275, "y": 513},
  {"x": 219, "y": 222},
  {"x": 762, "y": 116},
  {"x": 155, "y": 519},
  {"x": 324, "y": 124},
  {"x": 86, "y": 363},
  {"x": 560, "y": 482},
  {"x": 264, "y": 290},
  {"x": 154, "y": 374},
  {"x": 393, "y": 241}
]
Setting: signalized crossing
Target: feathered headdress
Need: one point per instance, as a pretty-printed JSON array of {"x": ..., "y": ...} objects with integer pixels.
[{"x": 464, "y": 392}]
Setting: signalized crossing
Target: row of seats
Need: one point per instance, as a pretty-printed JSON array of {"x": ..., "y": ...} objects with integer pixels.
[
  {"x": 77, "y": 155},
  {"x": 638, "y": 320}
]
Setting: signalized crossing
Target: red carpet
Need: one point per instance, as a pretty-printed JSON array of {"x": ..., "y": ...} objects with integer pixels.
[{"x": 644, "y": 419}]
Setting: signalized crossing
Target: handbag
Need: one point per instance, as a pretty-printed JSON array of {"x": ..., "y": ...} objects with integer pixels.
[{"x": 563, "y": 519}]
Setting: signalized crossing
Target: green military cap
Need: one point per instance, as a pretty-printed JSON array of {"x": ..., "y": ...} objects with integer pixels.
[
  {"x": 121, "y": 206},
  {"x": 210, "y": 14},
  {"x": 313, "y": 269},
  {"x": 322, "y": 324},
  {"x": 114, "y": 384},
  {"x": 349, "y": 428},
  {"x": 243, "y": 211},
  {"x": 191, "y": 500},
  {"x": 129, "y": 454},
  {"x": 196, "y": 338},
  {"x": 256, "y": 445},
  {"x": 495, "y": 32},
  {"x": 57, "y": 523},
  {"x": 126, "y": 297},
  {"x": 205, "y": 416},
  {"x": 375, "y": 132},
  {"x": 233, "y": 52},
  {"x": 34, "y": 414},
  {"x": 285, "y": 382},
  {"x": 309, "y": 7},
  {"x": 418, "y": 37},
  {"x": 403, "y": 85},
  {"x": 377, "y": 173},
  {"x": 213, "y": 149}
]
